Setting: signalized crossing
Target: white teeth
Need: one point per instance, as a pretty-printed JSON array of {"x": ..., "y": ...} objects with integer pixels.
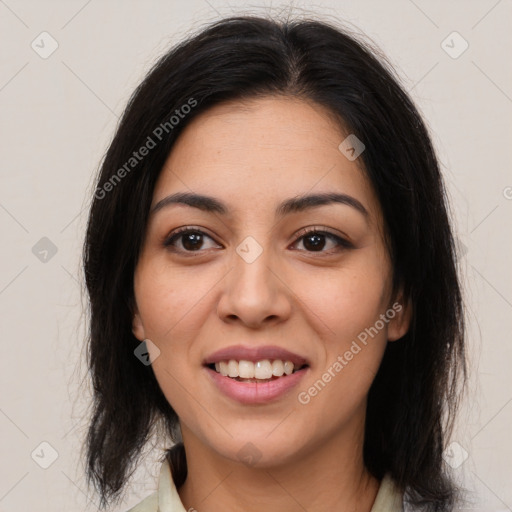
[
  {"x": 223, "y": 368},
  {"x": 246, "y": 369},
  {"x": 232, "y": 368},
  {"x": 262, "y": 370},
  {"x": 277, "y": 368}
]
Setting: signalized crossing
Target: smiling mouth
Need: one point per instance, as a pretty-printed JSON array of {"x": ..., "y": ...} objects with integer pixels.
[{"x": 262, "y": 371}]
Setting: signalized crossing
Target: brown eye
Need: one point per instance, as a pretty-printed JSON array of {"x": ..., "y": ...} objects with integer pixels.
[
  {"x": 187, "y": 240},
  {"x": 315, "y": 240}
]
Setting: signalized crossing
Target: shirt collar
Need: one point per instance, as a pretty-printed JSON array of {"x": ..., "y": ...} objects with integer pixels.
[
  {"x": 168, "y": 497},
  {"x": 388, "y": 498}
]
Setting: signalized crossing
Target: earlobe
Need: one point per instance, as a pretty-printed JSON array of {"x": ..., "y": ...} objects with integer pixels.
[
  {"x": 399, "y": 324},
  {"x": 137, "y": 327}
]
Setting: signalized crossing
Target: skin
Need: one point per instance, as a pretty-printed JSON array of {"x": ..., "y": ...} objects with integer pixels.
[{"x": 253, "y": 155}]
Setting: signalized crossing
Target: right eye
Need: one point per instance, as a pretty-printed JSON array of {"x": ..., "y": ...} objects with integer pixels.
[{"x": 186, "y": 240}]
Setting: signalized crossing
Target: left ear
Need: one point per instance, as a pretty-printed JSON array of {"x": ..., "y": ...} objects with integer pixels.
[
  {"x": 137, "y": 327},
  {"x": 399, "y": 315}
]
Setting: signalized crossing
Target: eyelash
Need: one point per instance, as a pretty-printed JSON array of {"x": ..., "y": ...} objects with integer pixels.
[{"x": 170, "y": 240}]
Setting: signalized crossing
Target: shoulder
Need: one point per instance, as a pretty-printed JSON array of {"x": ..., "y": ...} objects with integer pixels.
[{"x": 148, "y": 504}]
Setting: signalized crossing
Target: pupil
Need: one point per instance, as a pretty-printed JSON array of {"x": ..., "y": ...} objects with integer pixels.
[
  {"x": 192, "y": 241},
  {"x": 317, "y": 243}
]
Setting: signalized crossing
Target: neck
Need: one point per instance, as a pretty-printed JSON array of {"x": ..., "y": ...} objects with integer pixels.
[{"x": 330, "y": 478}]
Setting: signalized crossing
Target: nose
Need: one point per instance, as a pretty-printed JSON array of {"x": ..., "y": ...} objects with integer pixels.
[{"x": 255, "y": 292}]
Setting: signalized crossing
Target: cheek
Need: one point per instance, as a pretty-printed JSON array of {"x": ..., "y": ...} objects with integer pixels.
[
  {"x": 173, "y": 304},
  {"x": 348, "y": 301},
  {"x": 349, "y": 363},
  {"x": 170, "y": 299}
]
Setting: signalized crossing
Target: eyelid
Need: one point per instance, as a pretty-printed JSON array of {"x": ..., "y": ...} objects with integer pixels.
[
  {"x": 343, "y": 242},
  {"x": 182, "y": 230},
  {"x": 323, "y": 230}
]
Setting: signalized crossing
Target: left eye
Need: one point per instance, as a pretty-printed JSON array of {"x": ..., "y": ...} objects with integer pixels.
[{"x": 314, "y": 240}]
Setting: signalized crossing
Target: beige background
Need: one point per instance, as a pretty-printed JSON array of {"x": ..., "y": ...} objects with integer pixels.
[{"x": 58, "y": 115}]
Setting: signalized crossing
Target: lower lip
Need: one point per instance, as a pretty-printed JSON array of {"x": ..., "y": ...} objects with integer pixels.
[{"x": 256, "y": 392}]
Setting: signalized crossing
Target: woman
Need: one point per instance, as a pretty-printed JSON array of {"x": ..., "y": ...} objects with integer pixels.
[{"x": 273, "y": 281}]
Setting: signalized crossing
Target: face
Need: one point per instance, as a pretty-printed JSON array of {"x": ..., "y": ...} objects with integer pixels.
[{"x": 251, "y": 276}]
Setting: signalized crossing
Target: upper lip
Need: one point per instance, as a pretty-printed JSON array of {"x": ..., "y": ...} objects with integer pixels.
[{"x": 254, "y": 354}]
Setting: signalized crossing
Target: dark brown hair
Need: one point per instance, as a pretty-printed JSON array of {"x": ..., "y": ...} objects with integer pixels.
[{"x": 413, "y": 399}]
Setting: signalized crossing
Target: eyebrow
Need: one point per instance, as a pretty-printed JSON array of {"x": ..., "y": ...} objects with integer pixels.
[{"x": 292, "y": 205}]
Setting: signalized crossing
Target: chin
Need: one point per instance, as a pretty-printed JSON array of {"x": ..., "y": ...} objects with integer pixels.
[{"x": 259, "y": 451}]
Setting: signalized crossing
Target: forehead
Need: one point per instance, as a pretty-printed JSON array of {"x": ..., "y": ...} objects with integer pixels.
[{"x": 261, "y": 151}]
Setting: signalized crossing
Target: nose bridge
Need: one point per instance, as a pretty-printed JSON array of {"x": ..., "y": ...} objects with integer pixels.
[
  {"x": 253, "y": 291},
  {"x": 253, "y": 263}
]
